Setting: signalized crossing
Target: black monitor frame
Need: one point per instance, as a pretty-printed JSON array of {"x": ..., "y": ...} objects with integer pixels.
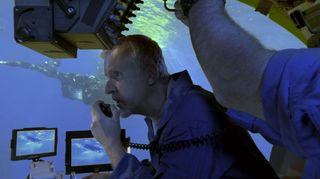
[
  {"x": 14, "y": 157},
  {"x": 84, "y": 168}
]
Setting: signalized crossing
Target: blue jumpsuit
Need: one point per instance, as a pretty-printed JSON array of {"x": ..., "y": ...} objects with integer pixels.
[
  {"x": 188, "y": 113},
  {"x": 291, "y": 101}
]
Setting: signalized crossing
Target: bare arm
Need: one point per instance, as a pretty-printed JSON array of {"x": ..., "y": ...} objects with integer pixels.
[{"x": 232, "y": 59}]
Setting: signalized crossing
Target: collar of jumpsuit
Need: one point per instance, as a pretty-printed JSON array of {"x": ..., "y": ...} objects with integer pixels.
[{"x": 178, "y": 85}]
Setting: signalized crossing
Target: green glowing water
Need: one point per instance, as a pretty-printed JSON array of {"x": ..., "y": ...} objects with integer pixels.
[{"x": 154, "y": 21}]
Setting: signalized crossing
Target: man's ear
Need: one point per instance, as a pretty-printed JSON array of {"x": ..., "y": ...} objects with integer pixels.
[{"x": 153, "y": 74}]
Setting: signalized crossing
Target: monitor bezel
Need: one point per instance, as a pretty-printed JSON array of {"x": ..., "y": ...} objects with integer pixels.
[
  {"x": 70, "y": 135},
  {"x": 14, "y": 156}
]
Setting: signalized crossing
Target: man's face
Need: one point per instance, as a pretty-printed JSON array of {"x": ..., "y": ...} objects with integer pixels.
[{"x": 127, "y": 83}]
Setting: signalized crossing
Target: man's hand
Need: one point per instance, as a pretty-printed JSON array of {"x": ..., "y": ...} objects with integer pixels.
[
  {"x": 107, "y": 131},
  {"x": 179, "y": 13},
  {"x": 98, "y": 176}
]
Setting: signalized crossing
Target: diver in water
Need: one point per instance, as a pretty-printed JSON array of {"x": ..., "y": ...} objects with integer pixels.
[
  {"x": 282, "y": 88},
  {"x": 87, "y": 89}
]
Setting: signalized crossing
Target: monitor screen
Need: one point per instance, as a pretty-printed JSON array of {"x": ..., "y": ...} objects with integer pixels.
[
  {"x": 33, "y": 143},
  {"x": 87, "y": 151},
  {"x": 84, "y": 154}
]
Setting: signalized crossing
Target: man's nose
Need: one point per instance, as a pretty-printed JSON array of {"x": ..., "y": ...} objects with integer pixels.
[{"x": 110, "y": 88}]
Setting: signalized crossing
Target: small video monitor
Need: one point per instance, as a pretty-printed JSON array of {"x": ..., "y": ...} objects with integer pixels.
[
  {"x": 84, "y": 154},
  {"x": 33, "y": 143}
]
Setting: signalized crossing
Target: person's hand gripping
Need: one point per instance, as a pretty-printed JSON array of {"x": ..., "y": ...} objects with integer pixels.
[
  {"x": 107, "y": 131},
  {"x": 179, "y": 13}
]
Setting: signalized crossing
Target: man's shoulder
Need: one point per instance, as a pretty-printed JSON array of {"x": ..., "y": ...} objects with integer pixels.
[
  {"x": 302, "y": 52},
  {"x": 199, "y": 107},
  {"x": 199, "y": 98},
  {"x": 294, "y": 59}
]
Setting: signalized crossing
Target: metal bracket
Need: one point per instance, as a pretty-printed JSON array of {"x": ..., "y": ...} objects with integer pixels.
[{"x": 68, "y": 10}]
